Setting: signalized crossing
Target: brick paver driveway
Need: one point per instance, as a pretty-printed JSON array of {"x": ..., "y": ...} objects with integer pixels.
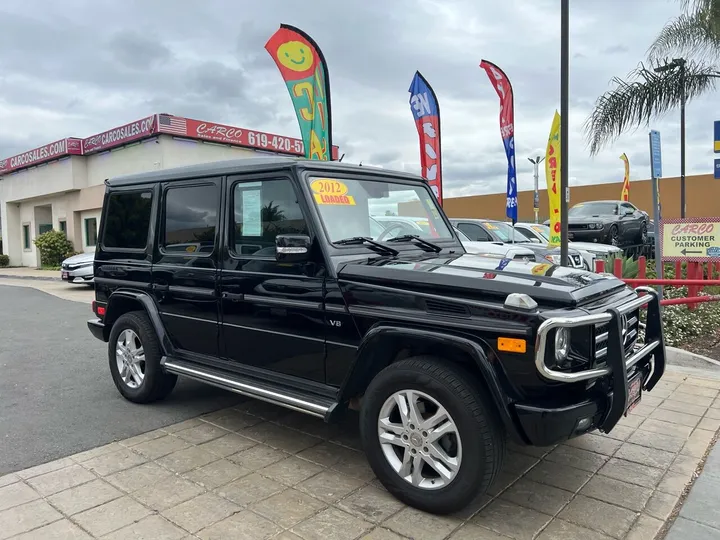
[{"x": 260, "y": 472}]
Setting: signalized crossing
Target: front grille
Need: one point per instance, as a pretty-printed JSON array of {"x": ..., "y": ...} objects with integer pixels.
[
  {"x": 577, "y": 226},
  {"x": 629, "y": 335}
]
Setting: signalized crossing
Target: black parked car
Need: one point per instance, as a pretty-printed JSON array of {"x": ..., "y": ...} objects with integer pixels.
[
  {"x": 445, "y": 354},
  {"x": 609, "y": 222}
]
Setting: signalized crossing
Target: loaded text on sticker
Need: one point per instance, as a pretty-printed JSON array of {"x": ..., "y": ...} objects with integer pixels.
[{"x": 323, "y": 198}]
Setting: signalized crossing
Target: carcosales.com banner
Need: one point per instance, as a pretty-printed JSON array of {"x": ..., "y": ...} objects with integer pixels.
[
  {"x": 121, "y": 135},
  {"x": 42, "y": 154}
]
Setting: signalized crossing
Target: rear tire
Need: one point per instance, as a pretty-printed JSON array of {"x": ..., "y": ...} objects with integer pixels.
[
  {"x": 134, "y": 354},
  {"x": 468, "y": 455}
]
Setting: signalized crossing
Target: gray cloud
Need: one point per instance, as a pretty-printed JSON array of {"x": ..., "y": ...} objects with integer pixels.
[{"x": 84, "y": 67}]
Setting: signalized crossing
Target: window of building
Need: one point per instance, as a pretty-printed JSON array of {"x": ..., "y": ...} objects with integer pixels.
[
  {"x": 62, "y": 224},
  {"x": 190, "y": 219},
  {"x": 26, "y": 236},
  {"x": 261, "y": 211},
  {"x": 90, "y": 232},
  {"x": 127, "y": 220}
]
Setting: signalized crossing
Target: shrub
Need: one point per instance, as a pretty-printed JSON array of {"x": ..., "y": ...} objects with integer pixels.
[
  {"x": 53, "y": 247},
  {"x": 4, "y": 261}
]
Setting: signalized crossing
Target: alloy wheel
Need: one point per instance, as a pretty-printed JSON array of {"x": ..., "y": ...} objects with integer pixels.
[
  {"x": 130, "y": 358},
  {"x": 419, "y": 439}
]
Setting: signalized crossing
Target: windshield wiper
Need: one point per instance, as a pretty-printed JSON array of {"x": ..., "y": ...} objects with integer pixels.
[
  {"x": 365, "y": 240},
  {"x": 421, "y": 241}
]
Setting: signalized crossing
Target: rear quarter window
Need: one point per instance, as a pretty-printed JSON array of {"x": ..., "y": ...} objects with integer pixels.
[{"x": 127, "y": 220}]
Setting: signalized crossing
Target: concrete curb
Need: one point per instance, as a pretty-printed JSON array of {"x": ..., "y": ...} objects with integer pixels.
[
  {"x": 36, "y": 278},
  {"x": 675, "y": 354}
]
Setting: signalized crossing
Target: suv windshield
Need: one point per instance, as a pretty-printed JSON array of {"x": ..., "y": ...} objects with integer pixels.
[
  {"x": 379, "y": 209},
  {"x": 593, "y": 209},
  {"x": 504, "y": 231},
  {"x": 542, "y": 230}
]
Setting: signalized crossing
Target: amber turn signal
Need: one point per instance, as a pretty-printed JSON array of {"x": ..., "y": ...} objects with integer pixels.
[{"x": 512, "y": 345}]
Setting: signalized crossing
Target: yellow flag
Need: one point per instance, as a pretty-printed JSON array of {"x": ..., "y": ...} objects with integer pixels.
[
  {"x": 552, "y": 177},
  {"x": 625, "y": 195}
]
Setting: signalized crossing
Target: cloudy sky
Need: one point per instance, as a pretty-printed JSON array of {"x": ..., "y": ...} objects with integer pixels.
[{"x": 77, "y": 67}]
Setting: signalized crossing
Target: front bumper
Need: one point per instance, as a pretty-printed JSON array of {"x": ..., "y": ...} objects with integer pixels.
[
  {"x": 587, "y": 235},
  {"x": 544, "y": 426},
  {"x": 84, "y": 274}
]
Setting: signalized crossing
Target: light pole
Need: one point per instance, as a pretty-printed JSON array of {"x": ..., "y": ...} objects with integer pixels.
[
  {"x": 564, "y": 111},
  {"x": 679, "y": 63},
  {"x": 536, "y": 197}
]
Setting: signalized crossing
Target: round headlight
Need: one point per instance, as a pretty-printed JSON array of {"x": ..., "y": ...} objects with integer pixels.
[{"x": 562, "y": 344}]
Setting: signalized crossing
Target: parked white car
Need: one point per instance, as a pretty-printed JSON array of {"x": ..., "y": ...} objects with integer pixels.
[
  {"x": 78, "y": 269},
  {"x": 506, "y": 251},
  {"x": 542, "y": 233},
  {"x": 406, "y": 225}
]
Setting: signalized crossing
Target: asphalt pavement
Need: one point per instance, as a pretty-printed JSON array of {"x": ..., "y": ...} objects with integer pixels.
[{"x": 56, "y": 394}]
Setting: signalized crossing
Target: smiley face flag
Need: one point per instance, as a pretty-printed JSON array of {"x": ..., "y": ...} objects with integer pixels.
[{"x": 302, "y": 66}]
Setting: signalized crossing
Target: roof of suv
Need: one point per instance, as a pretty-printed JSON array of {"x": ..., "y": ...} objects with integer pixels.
[{"x": 244, "y": 165}]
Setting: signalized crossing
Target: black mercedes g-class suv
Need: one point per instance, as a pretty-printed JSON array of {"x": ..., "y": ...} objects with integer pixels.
[{"x": 263, "y": 277}]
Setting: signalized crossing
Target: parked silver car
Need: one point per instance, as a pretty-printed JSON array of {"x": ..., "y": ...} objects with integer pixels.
[{"x": 78, "y": 269}]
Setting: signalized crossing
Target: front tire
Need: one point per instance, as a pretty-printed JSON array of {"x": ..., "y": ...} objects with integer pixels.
[
  {"x": 643, "y": 237},
  {"x": 614, "y": 236},
  {"x": 134, "y": 354},
  {"x": 430, "y": 435}
]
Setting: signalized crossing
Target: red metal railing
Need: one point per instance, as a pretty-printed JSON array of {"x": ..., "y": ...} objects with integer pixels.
[{"x": 697, "y": 276}]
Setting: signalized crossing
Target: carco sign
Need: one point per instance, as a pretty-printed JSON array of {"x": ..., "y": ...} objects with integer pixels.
[{"x": 693, "y": 239}]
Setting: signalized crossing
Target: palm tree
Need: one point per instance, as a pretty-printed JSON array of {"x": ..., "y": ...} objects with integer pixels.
[{"x": 694, "y": 38}]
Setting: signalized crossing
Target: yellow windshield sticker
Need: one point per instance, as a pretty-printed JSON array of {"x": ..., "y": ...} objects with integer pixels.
[
  {"x": 191, "y": 249},
  {"x": 540, "y": 269},
  {"x": 331, "y": 191},
  {"x": 538, "y": 229},
  {"x": 491, "y": 226}
]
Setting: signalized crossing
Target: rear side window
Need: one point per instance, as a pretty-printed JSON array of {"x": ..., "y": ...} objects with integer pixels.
[
  {"x": 191, "y": 215},
  {"x": 127, "y": 220}
]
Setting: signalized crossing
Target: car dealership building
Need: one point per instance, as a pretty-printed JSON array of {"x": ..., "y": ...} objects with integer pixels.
[{"x": 61, "y": 185}]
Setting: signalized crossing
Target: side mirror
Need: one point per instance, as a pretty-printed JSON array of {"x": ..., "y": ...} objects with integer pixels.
[
  {"x": 534, "y": 240},
  {"x": 291, "y": 248}
]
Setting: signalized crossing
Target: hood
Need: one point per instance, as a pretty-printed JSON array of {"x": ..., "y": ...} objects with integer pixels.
[
  {"x": 593, "y": 247},
  {"x": 81, "y": 258},
  {"x": 592, "y": 219},
  {"x": 544, "y": 249},
  {"x": 498, "y": 248},
  {"x": 475, "y": 277}
]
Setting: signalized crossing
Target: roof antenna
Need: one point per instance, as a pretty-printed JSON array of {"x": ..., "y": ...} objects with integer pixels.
[
  {"x": 360, "y": 165},
  {"x": 341, "y": 158}
]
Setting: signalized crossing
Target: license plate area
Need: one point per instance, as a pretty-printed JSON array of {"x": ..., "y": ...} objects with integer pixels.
[
  {"x": 634, "y": 392},
  {"x": 64, "y": 275}
]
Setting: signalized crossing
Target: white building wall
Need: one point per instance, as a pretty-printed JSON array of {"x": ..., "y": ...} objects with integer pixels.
[
  {"x": 139, "y": 157},
  {"x": 43, "y": 180}
]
